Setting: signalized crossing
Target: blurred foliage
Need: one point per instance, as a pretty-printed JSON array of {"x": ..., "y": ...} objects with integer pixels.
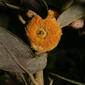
[
  {"x": 58, "y": 5},
  {"x": 7, "y": 78},
  {"x": 4, "y": 20}
]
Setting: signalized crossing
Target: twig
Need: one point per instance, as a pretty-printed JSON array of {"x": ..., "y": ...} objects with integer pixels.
[
  {"x": 39, "y": 76},
  {"x": 10, "y": 5},
  {"x": 21, "y": 19},
  {"x": 66, "y": 79},
  {"x": 67, "y": 5},
  {"x": 51, "y": 81},
  {"x": 22, "y": 76}
]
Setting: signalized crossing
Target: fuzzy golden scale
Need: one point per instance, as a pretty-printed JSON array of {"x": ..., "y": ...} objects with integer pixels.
[{"x": 44, "y": 34}]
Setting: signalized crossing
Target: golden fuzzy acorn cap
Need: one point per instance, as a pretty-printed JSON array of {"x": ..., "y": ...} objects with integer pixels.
[{"x": 44, "y": 34}]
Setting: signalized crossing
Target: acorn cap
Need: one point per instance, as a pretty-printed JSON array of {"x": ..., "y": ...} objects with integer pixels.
[{"x": 44, "y": 34}]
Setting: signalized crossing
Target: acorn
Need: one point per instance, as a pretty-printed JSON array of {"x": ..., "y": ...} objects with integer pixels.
[{"x": 44, "y": 34}]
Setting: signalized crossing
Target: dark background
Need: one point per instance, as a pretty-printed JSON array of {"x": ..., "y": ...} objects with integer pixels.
[{"x": 67, "y": 59}]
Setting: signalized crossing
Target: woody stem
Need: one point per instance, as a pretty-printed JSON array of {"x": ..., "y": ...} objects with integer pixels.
[{"x": 39, "y": 76}]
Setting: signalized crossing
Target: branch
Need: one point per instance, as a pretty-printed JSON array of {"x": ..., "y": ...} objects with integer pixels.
[
  {"x": 66, "y": 79},
  {"x": 51, "y": 81},
  {"x": 39, "y": 76}
]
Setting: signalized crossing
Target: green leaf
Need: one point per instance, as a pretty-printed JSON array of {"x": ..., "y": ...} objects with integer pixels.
[
  {"x": 16, "y": 56},
  {"x": 71, "y": 14}
]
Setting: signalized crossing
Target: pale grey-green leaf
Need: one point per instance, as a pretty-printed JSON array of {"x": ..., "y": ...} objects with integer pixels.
[
  {"x": 71, "y": 14},
  {"x": 10, "y": 46}
]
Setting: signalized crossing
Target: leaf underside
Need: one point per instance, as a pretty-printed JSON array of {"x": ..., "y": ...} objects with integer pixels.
[
  {"x": 71, "y": 14},
  {"x": 10, "y": 44}
]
